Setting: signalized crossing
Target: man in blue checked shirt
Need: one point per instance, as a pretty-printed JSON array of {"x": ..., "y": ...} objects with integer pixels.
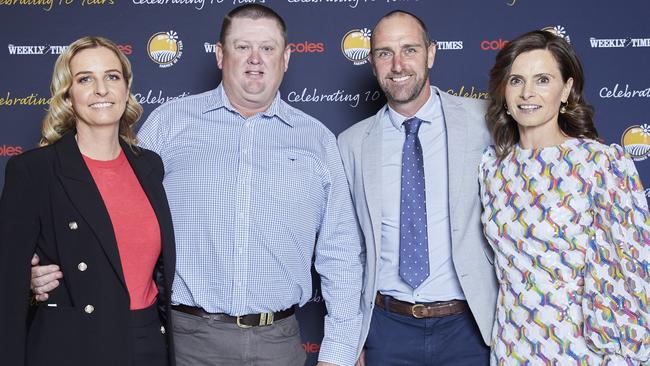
[{"x": 251, "y": 181}]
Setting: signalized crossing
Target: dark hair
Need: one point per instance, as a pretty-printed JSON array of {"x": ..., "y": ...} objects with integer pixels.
[
  {"x": 576, "y": 121},
  {"x": 425, "y": 32},
  {"x": 252, "y": 11}
]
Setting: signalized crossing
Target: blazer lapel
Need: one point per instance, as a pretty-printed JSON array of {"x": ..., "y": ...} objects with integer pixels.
[
  {"x": 84, "y": 195},
  {"x": 143, "y": 171},
  {"x": 371, "y": 158},
  {"x": 456, "y": 134}
]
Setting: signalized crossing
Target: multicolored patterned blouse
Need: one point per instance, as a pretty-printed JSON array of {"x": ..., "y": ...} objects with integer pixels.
[{"x": 570, "y": 229}]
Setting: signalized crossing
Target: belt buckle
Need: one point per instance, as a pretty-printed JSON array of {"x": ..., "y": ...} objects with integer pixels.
[
  {"x": 414, "y": 307},
  {"x": 265, "y": 319},
  {"x": 240, "y": 324}
]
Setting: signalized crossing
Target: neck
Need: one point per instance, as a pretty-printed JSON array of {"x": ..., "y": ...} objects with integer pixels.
[
  {"x": 246, "y": 108},
  {"x": 98, "y": 143},
  {"x": 535, "y": 139}
]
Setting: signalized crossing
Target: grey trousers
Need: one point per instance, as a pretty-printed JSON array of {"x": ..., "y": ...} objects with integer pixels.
[{"x": 202, "y": 342}]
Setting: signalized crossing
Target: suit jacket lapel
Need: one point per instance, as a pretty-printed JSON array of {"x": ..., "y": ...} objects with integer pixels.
[
  {"x": 84, "y": 195},
  {"x": 454, "y": 116},
  {"x": 156, "y": 195},
  {"x": 371, "y": 158}
]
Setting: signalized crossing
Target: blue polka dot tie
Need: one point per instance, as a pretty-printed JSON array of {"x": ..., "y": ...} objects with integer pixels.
[{"x": 413, "y": 243}]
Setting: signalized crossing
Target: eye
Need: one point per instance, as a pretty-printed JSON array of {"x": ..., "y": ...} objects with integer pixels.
[
  {"x": 113, "y": 76},
  {"x": 544, "y": 79},
  {"x": 84, "y": 79},
  {"x": 241, "y": 47},
  {"x": 267, "y": 49},
  {"x": 383, "y": 54},
  {"x": 515, "y": 81},
  {"x": 410, "y": 51}
]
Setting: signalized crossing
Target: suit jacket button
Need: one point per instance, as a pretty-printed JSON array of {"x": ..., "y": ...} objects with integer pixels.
[
  {"x": 82, "y": 266},
  {"x": 73, "y": 225},
  {"x": 89, "y": 309},
  {"x": 162, "y": 329}
]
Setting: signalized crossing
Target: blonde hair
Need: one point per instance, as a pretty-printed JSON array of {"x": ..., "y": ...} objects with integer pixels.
[{"x": 61, "y": 117}]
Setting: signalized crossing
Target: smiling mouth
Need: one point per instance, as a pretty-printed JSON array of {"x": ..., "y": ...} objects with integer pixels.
[
  {"x": 399, "y": 79},
  {"x": 529, "y": 107},
  {"x": 101, "y": 105},
  {"x": 255, "y": 73}
]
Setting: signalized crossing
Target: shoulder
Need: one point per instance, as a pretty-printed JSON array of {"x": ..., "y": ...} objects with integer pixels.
[
  {"x": 354, "y": 132},
  {"x": 488, "y": 158},
  {"x": 194, "y": 102},
  {"x": 300, "y": 119},
  {"x": 470, "y": 104},
  {"x": 32, "y": 158}
]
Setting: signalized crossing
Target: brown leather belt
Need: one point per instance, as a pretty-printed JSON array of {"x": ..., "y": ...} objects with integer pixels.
[
  {"x": 242, "y": 321},
  {"x": 426, "y": 310}
]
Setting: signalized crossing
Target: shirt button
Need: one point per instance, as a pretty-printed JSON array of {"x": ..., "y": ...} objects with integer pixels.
[
  {"x": 82, "y": 266},
  {"x": 88, "y": 309},
  {"x": 73, "y": 225}
]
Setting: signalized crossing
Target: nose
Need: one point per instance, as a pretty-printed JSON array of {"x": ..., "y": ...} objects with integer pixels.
[
  {"x": 100, "y": 87},
  {"x": 254, "y": 57},
  {"x": 396, "y": 65},
  {"x": 527, "y": 91}
]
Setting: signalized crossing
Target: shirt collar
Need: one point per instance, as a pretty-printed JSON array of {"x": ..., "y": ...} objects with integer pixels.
[
  {"x": 427, "y": 113},
  {"x": 218, "y": 99}
]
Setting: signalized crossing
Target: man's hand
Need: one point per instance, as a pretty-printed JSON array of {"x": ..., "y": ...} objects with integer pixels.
[
  {"x": 362, "y": 359},
  {"x": 44, "y": 279}
]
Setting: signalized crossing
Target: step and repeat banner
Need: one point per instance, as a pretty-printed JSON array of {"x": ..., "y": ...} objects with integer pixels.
[{"x": 329, "y": 76}]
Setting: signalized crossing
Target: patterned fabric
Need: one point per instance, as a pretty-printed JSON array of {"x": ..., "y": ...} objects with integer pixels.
[
  {"x": 253, "y": 200},
  {"x": 413, "y": 244},
  {"x": 569, "y": 225}
]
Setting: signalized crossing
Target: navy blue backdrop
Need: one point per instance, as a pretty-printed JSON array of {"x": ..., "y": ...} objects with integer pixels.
[{"x": 171, "y": 46}]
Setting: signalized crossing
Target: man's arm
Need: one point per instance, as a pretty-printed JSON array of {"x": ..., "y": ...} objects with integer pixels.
[{"x": 339, "y": 263}]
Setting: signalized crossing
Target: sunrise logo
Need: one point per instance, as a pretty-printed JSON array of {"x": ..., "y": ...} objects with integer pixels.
[
  {"x": 636, "y": 141},
  {"x": 165, "y": 48},
  {"x": 355, "y": 45}
]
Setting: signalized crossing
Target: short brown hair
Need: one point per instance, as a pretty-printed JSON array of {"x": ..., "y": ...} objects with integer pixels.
[{"x": 252, "y": 11}]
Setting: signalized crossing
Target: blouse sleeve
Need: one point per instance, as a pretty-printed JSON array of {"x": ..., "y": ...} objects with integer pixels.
[{"x": 615, "y": 302}]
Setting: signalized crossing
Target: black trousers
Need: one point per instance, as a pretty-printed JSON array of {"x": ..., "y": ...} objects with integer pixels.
[{"x": 148, "y": 343}]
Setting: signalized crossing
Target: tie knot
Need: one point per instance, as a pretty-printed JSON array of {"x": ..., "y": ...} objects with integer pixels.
[{"x": 411, "y": 126}]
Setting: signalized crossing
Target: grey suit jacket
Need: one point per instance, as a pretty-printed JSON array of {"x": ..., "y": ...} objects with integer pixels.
[{"x": 467, "y": 137}]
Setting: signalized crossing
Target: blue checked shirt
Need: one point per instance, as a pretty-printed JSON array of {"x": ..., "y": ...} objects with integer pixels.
[{"x": 252, "y": 200}]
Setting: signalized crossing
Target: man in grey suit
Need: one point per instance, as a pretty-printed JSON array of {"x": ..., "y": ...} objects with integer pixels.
[{"x": 429, "y": 289}]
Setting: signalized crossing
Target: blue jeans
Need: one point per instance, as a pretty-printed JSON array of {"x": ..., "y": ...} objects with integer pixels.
[{"x": 453, "y": 340}]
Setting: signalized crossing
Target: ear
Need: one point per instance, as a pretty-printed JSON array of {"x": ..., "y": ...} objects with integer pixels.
[
  {"x": 431, "y": 55},
  {"x": 566, "y": 91},
  {"x": 218, "y": 48},
  {"x": 287, "y": 56},
  {"x": 371, "y": 61}
]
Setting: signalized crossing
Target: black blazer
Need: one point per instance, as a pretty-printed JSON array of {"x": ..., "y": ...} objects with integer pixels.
[{"x": 50, "y": 205}]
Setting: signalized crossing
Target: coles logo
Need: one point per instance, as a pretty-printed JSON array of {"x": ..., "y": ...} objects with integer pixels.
[
  {"x": 165, "y": 48},
  {"x": 10, "y": 150},
  {"x": 498, "y": 44},
  {"x": 636, "y": 141},
  {"x": 494, "y": 45},
  {"x": 311, "y": 347},
  {"x": 307, "y": 47},
  {"x": 355, "y": 45}
]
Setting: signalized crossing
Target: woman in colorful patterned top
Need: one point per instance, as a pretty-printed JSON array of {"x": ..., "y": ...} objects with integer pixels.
[{"x": 566, "y": 216}]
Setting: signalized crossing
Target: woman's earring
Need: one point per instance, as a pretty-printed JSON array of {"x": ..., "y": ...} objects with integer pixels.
[
  {"x": 563, "y": 107},
  {"x": 506, "y": 108}
]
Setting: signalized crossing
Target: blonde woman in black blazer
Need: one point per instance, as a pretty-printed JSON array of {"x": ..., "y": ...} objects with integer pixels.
[{"x": 52, "y": 205}]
